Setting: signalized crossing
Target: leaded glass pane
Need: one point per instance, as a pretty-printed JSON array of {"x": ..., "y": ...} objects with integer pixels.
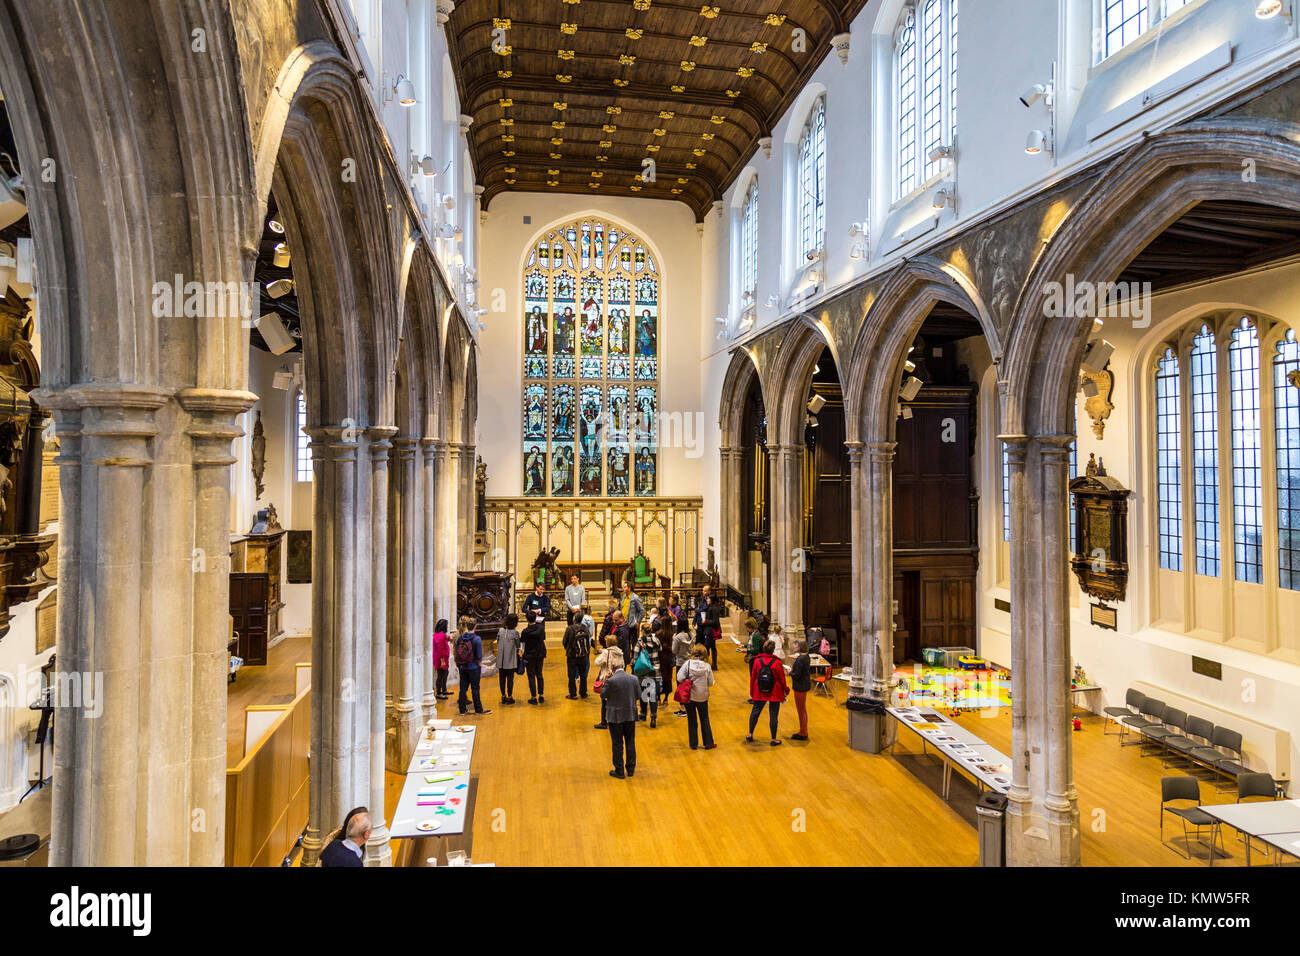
[
  {"x": 1286, "y": 416},
  {"x": 1169, "y": 477},
  {"x": 1205, "y": 451},
  {"x": 1247, "y": 491}
]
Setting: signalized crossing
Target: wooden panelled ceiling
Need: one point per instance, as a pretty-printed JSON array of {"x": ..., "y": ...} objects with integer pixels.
[{"x": 573, "y": 95}]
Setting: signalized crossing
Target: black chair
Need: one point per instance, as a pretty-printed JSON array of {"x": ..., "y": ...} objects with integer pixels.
[
  {"x": 1151, "y": 714},
  {"x": 1259, "y": 786},
  {"x": 1173, "y": 789},
  {"x": 1176, "y": 724},
  {"x": 1132, "y": 704},
  {"x": 1200, "y": 733},
  {"x": 1224, "y": 757}
]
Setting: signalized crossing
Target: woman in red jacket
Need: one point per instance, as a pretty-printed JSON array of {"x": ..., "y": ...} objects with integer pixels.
[{"x": 766, "y": 686}]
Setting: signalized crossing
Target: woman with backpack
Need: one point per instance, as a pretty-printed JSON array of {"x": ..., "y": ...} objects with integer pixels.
[
  {"x": 441, "y": 658},
  {"x": 645, "y": 667},
  {"x": 766, "y": 686},
  {"x": 696, "y": 669},
  {"x": 681, "y": 646},
  {"x": 508, "y": 651},
  {"x": 534, "y": 641}
]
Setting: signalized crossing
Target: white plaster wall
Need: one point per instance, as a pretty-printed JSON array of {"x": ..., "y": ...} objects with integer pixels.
[
  {"x": 19, "y": 682},
  {"x": 669, "y": 229}
]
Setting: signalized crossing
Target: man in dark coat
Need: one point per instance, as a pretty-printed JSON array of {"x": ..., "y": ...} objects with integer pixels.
[
  {"x": 620, "y": 693},
  {"x": 348, "y": 849}
]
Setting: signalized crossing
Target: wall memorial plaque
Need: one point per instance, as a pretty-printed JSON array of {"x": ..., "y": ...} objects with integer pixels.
[{"x": 46, "y": 622}]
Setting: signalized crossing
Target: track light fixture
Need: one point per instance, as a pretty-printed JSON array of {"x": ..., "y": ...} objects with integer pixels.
[
  {"x": 1038, "y": 142},
  {"x": 404, "y": 90},
  {"x": 275, "y": 226},
  {"x": 1268, "y": 9},
  {"x": 279, "y": 288},
  {"x": 856, "y": 251},
  {"x": 942, "y": 199},
  {"x": 280, "y": 257},
  {"x": 1039, "y": 91}
]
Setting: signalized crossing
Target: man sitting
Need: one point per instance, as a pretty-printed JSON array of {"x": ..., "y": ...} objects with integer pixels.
[{"x": 348, "y": 847}]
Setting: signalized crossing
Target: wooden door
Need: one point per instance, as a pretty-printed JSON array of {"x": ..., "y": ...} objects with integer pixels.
[{"x": 249, "y": 595}]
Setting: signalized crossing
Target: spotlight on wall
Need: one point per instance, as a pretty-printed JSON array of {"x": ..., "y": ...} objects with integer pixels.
[
  {"x": 816, "y": 404},
  {"x": 910, "y": 365},
  {"x": 423, "y": 166},
  {"x": 275, "y": 226},
  {"x": 858, "y": 229},
  {"x": 1268, "y": 9},
  {"x": 857, "y": 251},
  {"x": 911, "y": 386},
  {"x": 280, "y": 258},
  {"x": 274, "y": 334},
  {"x": 449, "y": 201},
  {"x": 942, "y": 198},
  {"x": 772, "y": 301},
  {"x": 457, "y": 234},
  {"x": 446, "y": 230},
  {"x": 1039, "y": 91},
  {"x": 279, "y": 288},
  {"x": 1038, "y": 142},
  {"x": 404, "y": 90},
  {"x": 942, "y": 151},
  {"x": 1098, "y": 354},
  {"x": 282, "y": 379},
  {"x": 811, "y": 421}
]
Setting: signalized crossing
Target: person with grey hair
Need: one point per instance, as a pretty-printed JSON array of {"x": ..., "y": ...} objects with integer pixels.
[
  {"x": 620, "y": 692},
  {"x": 349, "y": 846}
]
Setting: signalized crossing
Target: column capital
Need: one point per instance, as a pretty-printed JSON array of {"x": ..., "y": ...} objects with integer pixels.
[
  {"x": 407, "y": 447},
  {"x": 103, "y": 395},
  {"x": 1055, "y": 448},
  {"x": 215, "y": 401},
  {"x": 881, "y": 451},
  {"x": 341, "y": 438},
  {"x": 431, "y": 447},
  {"x": 379, "y": 437}
]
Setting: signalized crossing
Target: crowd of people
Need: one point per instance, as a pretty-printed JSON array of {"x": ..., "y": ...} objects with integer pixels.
[{"x": 643, "y": 660}]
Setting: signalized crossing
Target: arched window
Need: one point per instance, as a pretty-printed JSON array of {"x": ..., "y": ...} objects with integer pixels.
[
  {"x": 1226, "y": 456},
  {"x": 925, "y": 87},
  {"x": 302, "y": 440},
  {"x": 749, "y": 245},
  {"x": 1123, "y": 21},
  {"x": 591, "y": 363},
  {"x": 811, "y": 177}
]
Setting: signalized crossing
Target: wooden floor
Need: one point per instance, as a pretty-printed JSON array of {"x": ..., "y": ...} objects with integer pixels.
[
  {"x": 270, "y": 683},
  {"x": 545, "y": 796}
]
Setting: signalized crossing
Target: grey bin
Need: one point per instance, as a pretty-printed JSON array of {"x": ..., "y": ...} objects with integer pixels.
[
  {"x": 991, "y": 807},
  {"x": 867, "y": 731}
]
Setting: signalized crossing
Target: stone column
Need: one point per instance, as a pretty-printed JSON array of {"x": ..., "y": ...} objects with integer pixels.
[
  {"x": 139, "y": 772},
  {"x": 445, "y": 531},
  {"x": 466, "y": 507},
  {"x": 455, "y": 520},
  {"x": 786, "y": 535},
  {"x": 406, "y": 546},
  {"x": 878, "y": 611},
  {"x": 732, "y": 522},
  {"x": 428, "y": 509},
  {"x": 378, "y": 851},
  {"x": 1043, "y": 815},
  {"x": 860, "y": 592},
  {"x": 340, "y": 634}
]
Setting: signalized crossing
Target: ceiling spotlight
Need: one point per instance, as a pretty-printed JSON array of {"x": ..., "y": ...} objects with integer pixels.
[
  {"x": 1039, "y": 91},
  {"x": 1268, "y": 9},
  {"x": 816, "y": 368},
  {"x": 275, "y": 226},
  {"x": 404, "y": 90},
  {"x": 280, "y": 258},
  {"x": 1038, "y": 142},
  {"x": 279, "y": 288},
  {"x": 940, "y": 152},
  {"x": 941, "y": 199}
]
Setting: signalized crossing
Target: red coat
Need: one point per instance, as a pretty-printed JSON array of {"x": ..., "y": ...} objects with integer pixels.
[
  {"x": 441, "y": 651},
  {"x": 779, "y": 689}
]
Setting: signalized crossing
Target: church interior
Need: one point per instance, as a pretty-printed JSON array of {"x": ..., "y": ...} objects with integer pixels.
[{"x": 337, "y": 329}]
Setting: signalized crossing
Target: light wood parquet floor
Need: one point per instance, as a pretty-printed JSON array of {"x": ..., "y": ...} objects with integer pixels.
[{"x": 545, "y": 797}]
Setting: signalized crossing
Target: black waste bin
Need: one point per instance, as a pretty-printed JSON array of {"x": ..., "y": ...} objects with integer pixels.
[{"x": 991, "y": 807}]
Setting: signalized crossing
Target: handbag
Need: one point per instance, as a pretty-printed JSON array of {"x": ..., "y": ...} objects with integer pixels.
[
  {"x": 683, "y": 693},
  {"x": 643, "y": 667}
]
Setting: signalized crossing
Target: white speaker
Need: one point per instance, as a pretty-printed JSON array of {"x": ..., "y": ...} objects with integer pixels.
[
  {"x": 911, "y": 386},
  {"x": 282, "y": 380},
  {"x": 1098, "y": 354},
  {"x": 277, "y": 339},
  {"x": 816, "y": 403}
]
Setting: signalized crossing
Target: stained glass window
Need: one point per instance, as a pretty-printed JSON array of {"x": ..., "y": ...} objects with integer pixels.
[{"x": 591, "y": 364}]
